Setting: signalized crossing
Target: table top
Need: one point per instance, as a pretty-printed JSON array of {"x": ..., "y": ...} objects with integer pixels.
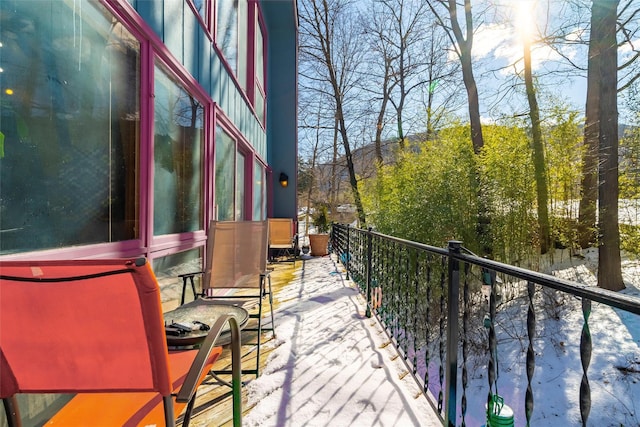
[{"x": 204, "y": 311}]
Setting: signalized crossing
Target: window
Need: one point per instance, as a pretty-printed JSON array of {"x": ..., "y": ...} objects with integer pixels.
[
  {"x": 225, "y": 175},
  {"x": 227, "y": 31},
  {"x": 259, "y": 94},
  {"x": 259, "y": 189},
  {"x": 178, "y": 157},
  {"x": 69, "y": 147},
  {"x": 202, "y": 6},
  {"x": 168, "y": 268},
  {"x": 240, "y": 191}
]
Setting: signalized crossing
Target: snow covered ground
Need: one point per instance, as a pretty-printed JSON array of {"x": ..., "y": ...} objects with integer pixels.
[
  {"x": 332, "y": 366},
  {"x": 614, "y": 370}
]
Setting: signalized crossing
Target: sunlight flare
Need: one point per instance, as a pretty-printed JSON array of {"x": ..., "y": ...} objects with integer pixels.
[{"x": 525, "y": 12}]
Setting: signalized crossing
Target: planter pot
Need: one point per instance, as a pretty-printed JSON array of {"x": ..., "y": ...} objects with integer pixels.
[{"x": 319, "y": 244}]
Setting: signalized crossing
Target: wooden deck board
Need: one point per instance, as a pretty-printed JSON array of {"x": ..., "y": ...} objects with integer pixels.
[{"x": 214, "y": 401}]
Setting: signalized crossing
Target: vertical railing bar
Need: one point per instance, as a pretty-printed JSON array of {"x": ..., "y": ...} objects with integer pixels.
[
  {"x": 453, "y": 294},
  {"x": 427, "y": 356},
  {"x": 493, "y": 352},
  {"x": 531, "y": 358},
  {"x": 415, "y": 312},
  {"x": 368, "y": 273},
  {"x": 465, "y": 344},
  {"x": 441, "y": 332},
  {"x": 348, "y": 252},
  {"x": 405, "y": 305},
  {"x": 585, "y": 358}
]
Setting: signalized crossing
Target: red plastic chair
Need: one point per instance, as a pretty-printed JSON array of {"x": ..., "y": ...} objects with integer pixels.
[{"x": 96, "y": 328}]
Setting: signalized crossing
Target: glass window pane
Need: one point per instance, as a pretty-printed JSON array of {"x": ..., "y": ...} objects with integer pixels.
[
  {"x": 243, "y": 12},
  {"x": 178, "y": 147},
  {"x": 201, "y": 7},
  {"x": 259, "y": 199},
  {"x": 70, "y": 126},
  {"x": 260, "y": 106},
  {"x": 227, "y": 30},
  {"x": 259, "y": 56},
  {"x": 240, "y": 208},
  {"x": 225, "y": 162},
  {"x": 168, "y": 268}
]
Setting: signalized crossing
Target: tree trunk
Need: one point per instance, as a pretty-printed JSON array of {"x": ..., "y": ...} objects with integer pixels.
[
  {"x": 537, "y": 153},
  {"x": 589, "y": 185},
  {"x": 464, "y": 45},
  {"x": 609, "y": 263}
]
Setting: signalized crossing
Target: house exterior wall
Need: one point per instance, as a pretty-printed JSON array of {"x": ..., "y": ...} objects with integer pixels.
[
  {"x": 89, "y": 159},
  {"x": 127, "y": 125}
]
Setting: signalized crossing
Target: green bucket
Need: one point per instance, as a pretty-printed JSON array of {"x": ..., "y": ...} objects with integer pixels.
[{"x": 499, "y": 414}]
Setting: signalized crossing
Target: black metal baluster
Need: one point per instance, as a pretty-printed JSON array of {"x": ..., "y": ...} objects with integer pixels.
[
  {"x": 416, "y": 283},
  {"x": 441, "y": 334},
  {"x": 531, "y": 358},
  {"x": 585, "y": 358},
  {"x": 405, "y": 303},
  {"x": 492, "y": 339},
  {"x": 428, "y": 326},
  {"x": 394, "y": 291},
  {"x": 465, "y": 345}
]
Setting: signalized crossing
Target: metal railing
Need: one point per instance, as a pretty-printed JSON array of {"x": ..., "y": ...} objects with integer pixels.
[{"x": 414, "y": 289}]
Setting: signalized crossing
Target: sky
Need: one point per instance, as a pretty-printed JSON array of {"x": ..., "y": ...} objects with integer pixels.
[
  {"x": 330, "y": 366},
  {"x": 498, "y": 46}
]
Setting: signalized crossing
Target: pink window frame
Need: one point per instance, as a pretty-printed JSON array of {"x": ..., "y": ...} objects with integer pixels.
[
  {"x": 207, "y": 22},
  {"x": 241, "y": 146},
  {"x": 256, "y": 20}
]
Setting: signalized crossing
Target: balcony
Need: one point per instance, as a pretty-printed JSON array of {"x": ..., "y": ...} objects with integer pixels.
[
  {"x": 536, "y": 349},
  {"x": 364, "y": 338}
]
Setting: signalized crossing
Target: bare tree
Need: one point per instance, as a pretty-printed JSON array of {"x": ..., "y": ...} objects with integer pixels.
[
  {"x": 538, "y": 150},
  {"x": 463, "y": 42},
  {"x": 332, "y": 42}
]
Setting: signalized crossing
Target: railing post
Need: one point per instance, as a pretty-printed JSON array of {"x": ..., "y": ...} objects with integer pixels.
[
  {"x": 347, "y": 252},
  {"x": 369, "y": 257},
  {"x": 453, "y": 284}
]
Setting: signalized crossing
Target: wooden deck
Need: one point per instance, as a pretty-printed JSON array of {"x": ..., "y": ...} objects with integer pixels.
[
  {"x": 214, "y": 405},
  {"x": 304, "y": 289}
]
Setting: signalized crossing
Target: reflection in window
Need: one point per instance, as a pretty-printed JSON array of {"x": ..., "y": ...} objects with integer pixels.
[
  {"x": 178, "y": 142},
  {"x": 225, "y": 162},
  {"x": 227, "y": 30},
  {"x": 259, "y": 199},
  {"x": 240, "y": 158},
  {"x": 69, "y": 126},
  {"x": 259, "y": 93},
  {"x": 168, "y": 268},
  {"x": 202, "y": 6}
]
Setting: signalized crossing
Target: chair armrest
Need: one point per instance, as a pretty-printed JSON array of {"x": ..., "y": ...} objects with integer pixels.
[{"x": 190, "y": 274}]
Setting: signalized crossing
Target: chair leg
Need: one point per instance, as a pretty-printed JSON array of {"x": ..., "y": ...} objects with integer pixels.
[
  {"x": 273, "y": 324},
  {"x": 12, "y": 411},
  {"x": 184, "y": 288},
  {"x": 186, "y": 419},
  {"x": 259, "y": 337}
]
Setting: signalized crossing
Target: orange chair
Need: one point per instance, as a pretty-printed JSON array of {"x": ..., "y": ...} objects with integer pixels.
[
  {"x": 282, "y": 238},
  {"x": 236, "y": 273},
  {"x": 96, "y": 328}
]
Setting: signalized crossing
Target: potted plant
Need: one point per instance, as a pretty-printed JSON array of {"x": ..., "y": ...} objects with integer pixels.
[{"x": 319, "y": 241}]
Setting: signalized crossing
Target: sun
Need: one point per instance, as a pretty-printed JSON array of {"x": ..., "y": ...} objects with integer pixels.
[{"x": 525, "y": 16}]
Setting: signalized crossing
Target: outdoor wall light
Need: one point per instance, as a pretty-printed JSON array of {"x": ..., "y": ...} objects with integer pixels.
[{"x": 284, "y": 179}]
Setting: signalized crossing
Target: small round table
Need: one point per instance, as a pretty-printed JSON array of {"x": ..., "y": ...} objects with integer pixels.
[{"x": 207, "y": 312}]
